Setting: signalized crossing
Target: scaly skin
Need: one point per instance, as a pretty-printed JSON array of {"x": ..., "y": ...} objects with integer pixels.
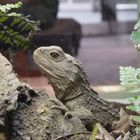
[{"x": 68, "y": 79}]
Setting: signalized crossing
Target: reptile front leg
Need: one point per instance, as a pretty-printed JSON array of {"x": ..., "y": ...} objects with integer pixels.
[
  {"x": 82, "y": 113},
  {"x": 59, "y": 105}
]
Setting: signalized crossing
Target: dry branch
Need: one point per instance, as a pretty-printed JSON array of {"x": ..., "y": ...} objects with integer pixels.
[{"x": 8, "y": 95}]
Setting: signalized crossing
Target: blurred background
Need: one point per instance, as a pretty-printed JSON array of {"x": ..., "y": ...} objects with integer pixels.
[
  {"x": 96, "y": 32},
  {"x": 105, "y": 45}
]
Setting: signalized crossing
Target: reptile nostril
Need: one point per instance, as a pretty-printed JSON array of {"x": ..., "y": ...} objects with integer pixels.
[{"x": 41, "y": 50}]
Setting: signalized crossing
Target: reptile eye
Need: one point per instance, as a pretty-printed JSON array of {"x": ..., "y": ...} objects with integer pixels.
[{"x": 55, "y": 55}]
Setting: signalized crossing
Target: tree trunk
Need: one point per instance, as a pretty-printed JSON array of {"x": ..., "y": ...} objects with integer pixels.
[{"x": 8, "y": 96}]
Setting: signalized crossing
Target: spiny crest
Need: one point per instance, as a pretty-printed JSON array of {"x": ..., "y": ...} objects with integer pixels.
[{"x": 82, "y": 72}]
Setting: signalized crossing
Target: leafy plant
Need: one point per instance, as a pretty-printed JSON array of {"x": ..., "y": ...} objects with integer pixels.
[
  {"x": 15, "y": 28},
  {"x": 130, "y": 77},
  {"x": 94, "y": 132},
  {"x": 135, "y": 36}
]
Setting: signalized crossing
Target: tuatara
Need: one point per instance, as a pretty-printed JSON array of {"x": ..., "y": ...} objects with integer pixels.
[{"x": 69, "y": 81}]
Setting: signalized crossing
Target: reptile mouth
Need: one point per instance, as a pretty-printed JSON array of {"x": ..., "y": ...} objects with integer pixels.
[{"x": 39, "y": 61}]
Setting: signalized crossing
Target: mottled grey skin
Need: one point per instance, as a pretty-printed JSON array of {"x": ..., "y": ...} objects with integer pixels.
[
  {"x": 69, "y": 81},
  {"x": 37, "y": 121}
]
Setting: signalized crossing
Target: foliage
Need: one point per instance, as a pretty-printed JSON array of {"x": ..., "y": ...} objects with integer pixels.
[
  {"x": 15, "y": 28},
  {"x": 135, "y": 36},
  {"x": 135, "y": 106},
  {"x": 94, "y": 132},
  {"x": 8, "y": 7},
  {"x": 130, "y": 77}
]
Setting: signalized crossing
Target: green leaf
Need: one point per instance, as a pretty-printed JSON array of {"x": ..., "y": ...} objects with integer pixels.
[
  {"x": 137, "y": 130},
  {"x": 7, "y": 7},
  {"x": 2, "y": 9},
  {"x": 14, "y": 14},
  {"x": 136, "y": 118},
  {"x": 135, "y": 99},
  {"x": 21, "y": 24},
  {"x": 129, "y": 76},
  {"x": 3, "y": 19},
  {"x": 15, "y": 21},
  {"x": 94, "y": 132},
  {"x": 134, "y": 108},
  {"x": 132, "y": 99},
  {"x": 135, "y": 37}
]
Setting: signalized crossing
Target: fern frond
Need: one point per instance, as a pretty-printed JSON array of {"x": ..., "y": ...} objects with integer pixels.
[
  {"x": 18, "y": 20},
  {"x": 6, "y": 8},
  {"x": 129, "y": 76},
  {"x": 13, "y": 38},
  {"x": 15, "y": 27}
]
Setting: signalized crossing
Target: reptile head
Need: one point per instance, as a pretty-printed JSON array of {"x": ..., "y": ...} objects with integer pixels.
[
  {"x": 61, "y": 69},
  {"x": 54, "y": 62}
]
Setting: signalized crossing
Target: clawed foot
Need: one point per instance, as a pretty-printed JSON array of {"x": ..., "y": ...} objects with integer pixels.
[
  {"x": 58, "y": 105},
  {"x": 63, "y": 110}
]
